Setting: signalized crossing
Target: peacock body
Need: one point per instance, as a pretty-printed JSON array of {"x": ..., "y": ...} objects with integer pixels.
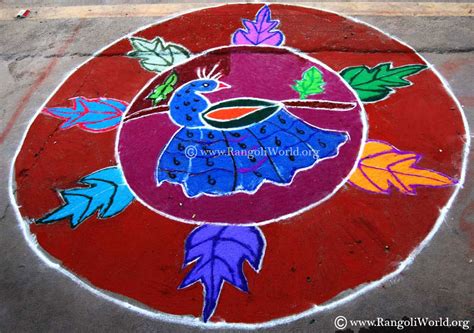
[{"x": 237, "y": 145}]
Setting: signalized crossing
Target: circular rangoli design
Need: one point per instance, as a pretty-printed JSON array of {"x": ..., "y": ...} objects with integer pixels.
[{"x": 242, "y": 168}]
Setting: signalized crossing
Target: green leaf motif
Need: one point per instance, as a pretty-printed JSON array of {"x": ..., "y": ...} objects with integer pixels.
[
  {"x": 161, "y": 92},
  {"x": 311, "y": 83},
  {"x": 377, "y": 83},
  {"x": 157, "y": 55}
]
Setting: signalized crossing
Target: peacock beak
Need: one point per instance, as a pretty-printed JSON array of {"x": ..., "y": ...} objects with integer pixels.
[{"x": 223, "y": 85}]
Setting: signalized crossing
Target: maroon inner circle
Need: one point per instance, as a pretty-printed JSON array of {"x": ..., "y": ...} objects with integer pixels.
[{"x": 258, "y": 72}]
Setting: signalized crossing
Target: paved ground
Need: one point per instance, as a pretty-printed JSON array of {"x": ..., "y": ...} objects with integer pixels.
[{"x": 36, "y": 54}]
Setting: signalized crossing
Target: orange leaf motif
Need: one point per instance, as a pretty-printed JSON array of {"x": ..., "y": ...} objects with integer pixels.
[{"x": 382, "y": 166}]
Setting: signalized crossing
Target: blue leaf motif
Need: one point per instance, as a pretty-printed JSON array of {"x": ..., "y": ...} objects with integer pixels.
[
  {"x": 107, "y": 194},
  {"x": 220, "y": 252},
  {"x": 93, "y": 115}
]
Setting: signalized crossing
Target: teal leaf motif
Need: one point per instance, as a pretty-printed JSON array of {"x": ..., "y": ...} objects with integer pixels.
[
  {"x": 107, "y": 193},
  {"x": 376, "y": 83},
  {"x": 157, "y": 55}
]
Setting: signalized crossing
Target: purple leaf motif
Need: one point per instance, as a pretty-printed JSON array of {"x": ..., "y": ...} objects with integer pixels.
[
  {"x": 259, "y": 31},
  {"x": 93, "y": 115},
  {"x": 219, "y": 253}
]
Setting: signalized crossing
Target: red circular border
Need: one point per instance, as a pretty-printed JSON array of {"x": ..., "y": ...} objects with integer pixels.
[{"x": 358, "y": 237}]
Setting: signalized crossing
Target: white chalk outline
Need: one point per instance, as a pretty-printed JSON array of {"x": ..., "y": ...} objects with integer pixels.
[{"x": 194, "y": 321}]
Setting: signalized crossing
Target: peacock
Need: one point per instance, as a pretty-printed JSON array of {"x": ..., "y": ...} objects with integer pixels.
[{"x": 236, "y": 145}]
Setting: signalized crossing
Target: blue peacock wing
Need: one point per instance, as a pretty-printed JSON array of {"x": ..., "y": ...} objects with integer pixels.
[
  {"x": 197, "y": 159},
  {"x": 212, "y": 170},
  {"x": 278, "y": 147},
  {"x": 242, "y": 159},
  {"x": 324, "y": 143},
  {"x": 252, "y": 163},
  {"x": 173, "y": 164}
]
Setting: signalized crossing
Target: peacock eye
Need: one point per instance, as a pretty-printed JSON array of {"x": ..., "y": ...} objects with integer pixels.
[{"x": 205, "y": 85}]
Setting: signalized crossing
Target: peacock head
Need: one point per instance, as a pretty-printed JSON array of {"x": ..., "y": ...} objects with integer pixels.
[
  {"x": 188, "y": 102},
  {"x": 206, "y": 82},
  {"x": 204, "y": 86}
]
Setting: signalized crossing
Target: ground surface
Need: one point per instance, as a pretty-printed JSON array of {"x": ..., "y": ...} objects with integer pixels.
[{"x": 35, "y": 55}]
